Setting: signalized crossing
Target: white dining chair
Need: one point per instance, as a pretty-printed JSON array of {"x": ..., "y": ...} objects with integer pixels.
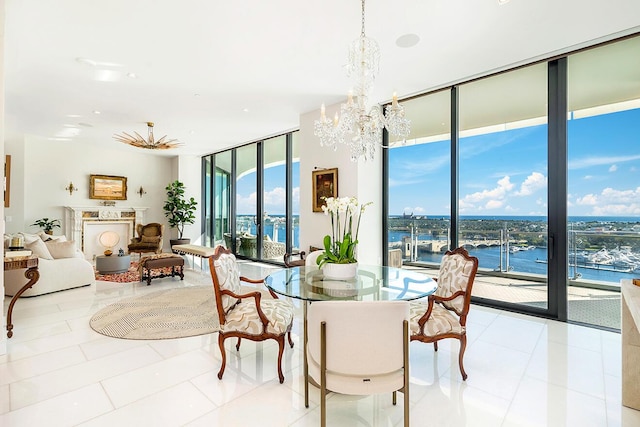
[
  {"x": 310, "y": 260},
  {"x": 359, "y": 348}
]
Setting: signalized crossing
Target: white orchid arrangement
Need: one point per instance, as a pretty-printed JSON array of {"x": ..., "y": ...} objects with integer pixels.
[{"x": 340, "y": 246}]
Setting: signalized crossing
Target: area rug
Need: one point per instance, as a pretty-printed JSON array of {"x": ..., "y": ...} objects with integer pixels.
[
  {"x": 131, "y": 275},
  {"x": 169, "y": 313}
]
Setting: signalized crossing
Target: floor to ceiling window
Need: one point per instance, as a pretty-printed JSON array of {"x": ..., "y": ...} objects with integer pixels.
[
  {"x": 419, "y": 184},
  {"x": 275, "y": 198},
  {"x": 222, "y": 200},
  {"x": 503, "y": 183},
  {"x": 545, "y": 164},
  {"x": 257, "y": 185},
  {"x": 246, "y": 219},
  {"x": 603, "y": 179}
]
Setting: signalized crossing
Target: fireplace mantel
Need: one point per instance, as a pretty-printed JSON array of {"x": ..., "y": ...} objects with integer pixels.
[{"x": 77, "y": 218}]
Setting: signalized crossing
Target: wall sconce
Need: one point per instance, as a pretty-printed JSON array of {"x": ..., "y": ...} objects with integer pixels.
[
  {"x": 141, "y": 191},
  {"x": 71, "y": 188}
]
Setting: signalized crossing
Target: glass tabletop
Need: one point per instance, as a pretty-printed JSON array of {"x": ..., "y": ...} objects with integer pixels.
[{"x": 372, "y": 283}]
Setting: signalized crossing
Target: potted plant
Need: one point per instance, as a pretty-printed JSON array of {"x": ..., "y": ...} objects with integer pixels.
[
  {"x": 178, "y": 210},
  {"x": 338, "y": 261},
  {"x": 47, "y": 224}
]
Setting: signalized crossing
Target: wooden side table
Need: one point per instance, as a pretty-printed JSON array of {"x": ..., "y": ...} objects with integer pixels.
[{"x": 32, "y": 273}]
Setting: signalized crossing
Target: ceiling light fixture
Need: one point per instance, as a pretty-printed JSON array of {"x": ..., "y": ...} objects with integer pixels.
[
  {"x": 149, "y": 143},
  {"x": 354, "y": 119}
]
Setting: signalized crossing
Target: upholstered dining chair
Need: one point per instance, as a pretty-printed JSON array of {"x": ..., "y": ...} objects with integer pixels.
[
  {"x": 444, "y": 314},
  {"x": 149, "y": 239},
  {"x": 344, "y": 358},
  {"x": 289, "y": 262},
  {"x": 310, "y": 260},
  {"x": 246, "y": 315}
]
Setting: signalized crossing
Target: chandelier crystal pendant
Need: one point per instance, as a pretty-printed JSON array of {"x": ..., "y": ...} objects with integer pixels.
[
  {"x": 359, "y": 125},
  {"x": 149, "y": 143}
]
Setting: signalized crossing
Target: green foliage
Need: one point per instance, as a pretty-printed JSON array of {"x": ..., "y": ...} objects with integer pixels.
[
  {"x": 340, "y": 247},
  {"x": 47, "y": 224},
  {"x": 178, "y": 210}
]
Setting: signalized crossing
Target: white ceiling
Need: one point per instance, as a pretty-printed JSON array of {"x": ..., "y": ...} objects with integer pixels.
[{"x": 201, "y": 63}]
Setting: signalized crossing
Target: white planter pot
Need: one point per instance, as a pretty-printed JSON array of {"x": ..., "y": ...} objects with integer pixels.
[{"x": 340, "y": 271}]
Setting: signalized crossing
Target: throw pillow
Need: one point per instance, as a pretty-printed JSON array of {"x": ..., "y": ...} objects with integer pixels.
[
  {"x": 48, "y": 237},
  {"x": 63, "y": 249},
  {"x": 39, "y": 249},
  {"x": 150, "y": 239},
  {"x": 29, "y": 238}
]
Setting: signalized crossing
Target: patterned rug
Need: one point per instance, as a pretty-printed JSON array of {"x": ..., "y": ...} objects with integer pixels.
[
  {"x": 130, "y": 275},
  {"x": 169, "y": 313}
]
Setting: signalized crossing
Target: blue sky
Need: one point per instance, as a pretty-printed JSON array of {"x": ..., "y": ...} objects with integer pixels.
[
  {"x": 502, "y": 173},
  {"x": 505, "y": 173},
  {"x": 275, "y": 193}
]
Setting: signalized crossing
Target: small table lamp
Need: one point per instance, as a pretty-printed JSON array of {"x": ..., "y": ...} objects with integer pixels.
[{"x": 108, "y": 239}]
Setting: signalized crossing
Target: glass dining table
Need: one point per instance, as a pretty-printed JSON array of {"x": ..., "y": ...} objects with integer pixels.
[{"x": 372, "y": 283}]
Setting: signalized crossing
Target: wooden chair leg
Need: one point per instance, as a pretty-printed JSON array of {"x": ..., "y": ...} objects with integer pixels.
[
  {"x": 463, "y": 346},
  {"x": 280, "y": 351},
  {"x": 238, "y": 344},
  {"x": 290, "y": 340},
  {"x": 224, "y": 355},
  {"x": 435, "y": 345}
]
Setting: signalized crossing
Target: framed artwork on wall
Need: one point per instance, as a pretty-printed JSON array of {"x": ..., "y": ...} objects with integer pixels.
[
  {"x": 107, "y": 187},
  {"x": 325, "y": 184}
]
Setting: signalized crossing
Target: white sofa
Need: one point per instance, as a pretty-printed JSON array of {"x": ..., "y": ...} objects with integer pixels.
[{"x": 61, "y": 265}]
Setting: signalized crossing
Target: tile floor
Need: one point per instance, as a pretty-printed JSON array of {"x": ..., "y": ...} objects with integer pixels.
[{"x": 523, "y": 371}]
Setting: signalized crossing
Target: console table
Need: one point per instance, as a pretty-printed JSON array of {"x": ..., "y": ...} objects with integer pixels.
[
  {"x": 630, "y": 344},
  {"x": 32, "y": 273}
]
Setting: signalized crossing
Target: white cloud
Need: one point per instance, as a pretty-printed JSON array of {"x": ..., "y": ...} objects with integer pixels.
[
  {"x": 613, "y": 202},
  {"x": 589, "y": 199},
  {"x": 493, "y": 204},
  {"x": 275, "y": 198},
  {"x": 632, "y": 209},
  {"x": 498, "y": 193},
  {"x": 534, "y": 182},
  {"x": 246, "y": 205},
  {"x": 600, "y": 161},
  {"x": 418, "y": 210},
  {"x": 587, "y": 177},
  {"x": 613, "y": 168}
]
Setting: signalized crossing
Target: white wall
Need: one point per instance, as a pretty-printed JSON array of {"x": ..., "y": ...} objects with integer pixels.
[
  {"x": 3, "y": 337},
  {"x": 190, "y": 173},
  {"x": 44, "y": 168},
  {"x": 358, "y": 179}
]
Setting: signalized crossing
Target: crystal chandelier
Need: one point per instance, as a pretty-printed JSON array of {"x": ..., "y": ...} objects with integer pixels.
[
  {"x": 359, "y": 125},
  {"x": 149, "y": 143}
]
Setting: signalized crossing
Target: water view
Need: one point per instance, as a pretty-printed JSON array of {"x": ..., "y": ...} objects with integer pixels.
[{"x": 601, "y": 248}]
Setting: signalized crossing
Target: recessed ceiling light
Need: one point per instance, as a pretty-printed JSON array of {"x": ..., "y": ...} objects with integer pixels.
[
  {"x": 246, "y": 110},
  {"x": 73, "y": 115},
  {"x": 191, "y": 132},
  {"x": 408, "y": 40},
  {"x": 96, "y": 112},
  {"x": 132, "y": 75}
]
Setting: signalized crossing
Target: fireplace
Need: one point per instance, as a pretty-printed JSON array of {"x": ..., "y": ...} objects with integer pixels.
[{"x": 84, "y": 225}]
